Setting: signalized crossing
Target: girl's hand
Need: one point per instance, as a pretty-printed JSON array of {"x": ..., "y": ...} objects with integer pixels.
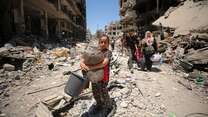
[{"x": 84, "y": 67}]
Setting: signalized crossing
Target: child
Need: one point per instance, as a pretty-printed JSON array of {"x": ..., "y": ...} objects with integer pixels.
[{"x": 99, "y": 89}]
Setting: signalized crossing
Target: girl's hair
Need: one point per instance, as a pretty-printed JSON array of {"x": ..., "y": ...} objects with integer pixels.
[{"x": 104, "y": 35}]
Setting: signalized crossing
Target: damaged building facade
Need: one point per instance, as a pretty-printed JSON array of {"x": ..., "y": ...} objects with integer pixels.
[
  {"x": 113, "y": 30},
  {"x": 51, "y": 19},
  {"x": 139, "y": 14}
]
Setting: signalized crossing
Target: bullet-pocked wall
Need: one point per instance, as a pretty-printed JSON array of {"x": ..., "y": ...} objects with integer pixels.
[{"x": 51, "y": 19}]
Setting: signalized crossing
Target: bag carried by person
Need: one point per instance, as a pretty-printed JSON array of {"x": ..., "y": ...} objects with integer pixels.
[
  {"x": 139, "y": 55},
  {"x": 156, "y": 58}
]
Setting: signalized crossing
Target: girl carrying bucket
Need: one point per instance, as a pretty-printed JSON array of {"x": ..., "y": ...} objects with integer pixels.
[{"x": 99, "y": 89}]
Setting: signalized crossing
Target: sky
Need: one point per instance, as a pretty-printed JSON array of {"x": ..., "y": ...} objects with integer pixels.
[{"x": 101, "y": 13}]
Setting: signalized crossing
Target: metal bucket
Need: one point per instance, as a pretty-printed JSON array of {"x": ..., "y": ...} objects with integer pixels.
[{"x": 75, "y": 84}]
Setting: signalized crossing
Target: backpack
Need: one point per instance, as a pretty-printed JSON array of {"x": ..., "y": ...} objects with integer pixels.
[{"x": 138, "y": 54}]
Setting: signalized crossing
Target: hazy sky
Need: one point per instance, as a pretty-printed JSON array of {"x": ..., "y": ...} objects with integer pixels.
[{"x": 101, "y": 12}]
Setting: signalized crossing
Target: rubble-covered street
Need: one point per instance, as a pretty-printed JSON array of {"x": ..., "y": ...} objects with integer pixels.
[
  {"x": 145, "y": 94},
  {"x": 43, "y": 44}
]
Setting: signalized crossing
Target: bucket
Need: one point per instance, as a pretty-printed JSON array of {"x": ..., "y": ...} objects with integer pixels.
[{"x": 75, "y": 84}]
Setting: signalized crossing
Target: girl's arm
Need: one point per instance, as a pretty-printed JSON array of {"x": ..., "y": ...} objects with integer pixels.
[
  {"x": 83, "y": 66},
  {"x": 101, "y": 65}
]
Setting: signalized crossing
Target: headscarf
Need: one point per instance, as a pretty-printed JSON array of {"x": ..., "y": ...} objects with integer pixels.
[{"x": 149, "y": 40}]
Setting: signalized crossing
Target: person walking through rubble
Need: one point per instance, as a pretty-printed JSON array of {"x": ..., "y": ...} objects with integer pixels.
[
  {"x": 112, "y": 44},
  {"x": 131, "y": 42},
  {"x": 99, "y": 89},
  {"x": 161, "y": 32},
  {"x": 149, "y": 47},
  {"x": 139, "y": 55}
]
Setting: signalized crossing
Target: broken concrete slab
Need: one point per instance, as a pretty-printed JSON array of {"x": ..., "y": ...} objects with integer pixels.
[
  {"x": 8, "y": 67},
  {"x": 190, "y": 16},
  {"x": 52, "y": 100},
  {"x": 201, "y": 36},
  {"x": 60, "y": 52},
  {"x": 199, "y": 56},
  {"x": 43, "y": 111}
]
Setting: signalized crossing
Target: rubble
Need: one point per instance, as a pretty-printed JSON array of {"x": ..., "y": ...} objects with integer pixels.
[
  {"x": 124, "y": 104},
  {"x": 198, "y": 57},
  {"x": 144, "y": 94},
  {"x": 131, "y": 98},
  {"x": 186, "y": 50},
  {"x": 60, "y": 52},
  {"x": 28, "y": 41},
  {"x": 20, "y": 65},
  {"x": 188, "y": 86},
  {"x": 186, "y": 53},
  {"x": 186, "y": 17},
  {"x": 8, "y": 67},
  {"x": 157, "y": 95},
  {"x": 124, "y": 100},
  {"x": 138, "y": 15},
  {"x": 43, "y": 111}
]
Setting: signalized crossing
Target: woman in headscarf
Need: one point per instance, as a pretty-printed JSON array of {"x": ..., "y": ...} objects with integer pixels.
[{"x": 149, "y": 47}]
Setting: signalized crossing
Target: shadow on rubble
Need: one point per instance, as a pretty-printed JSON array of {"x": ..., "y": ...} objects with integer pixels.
[
  {"x": 69, "y": 105},
  {"x": 101, "y": 112},
  {"x": 155, "y": 69}
]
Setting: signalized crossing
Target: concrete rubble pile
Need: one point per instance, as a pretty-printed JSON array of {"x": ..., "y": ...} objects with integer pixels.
[
  {"x": 20, "y": 65},
  {"x": 128, "y": 95},
  {"x": 27, "y": 40},
  {"x": 189, "y": 15},
  {"x": 126, "y": 89},
  {"x": 13, "y": 63},
  {"x": 186, "y": 47},
  {"x": 26, "y": 58},
  {"x": 40, "y": 42},
  {"x": 123, "y": 89},
  {"x": 125, "y": 92},
  {"x": 189, "y": 49}
]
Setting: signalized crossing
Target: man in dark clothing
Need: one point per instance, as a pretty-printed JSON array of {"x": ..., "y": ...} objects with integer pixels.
[
  {"x": 112, "y": 44},
  {"x": 161, "y": 32},
  {"x": 131, "y": 43}
]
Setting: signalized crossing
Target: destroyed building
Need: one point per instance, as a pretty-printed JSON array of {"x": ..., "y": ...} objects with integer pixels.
[
  {"x": 51, "y": 19},
  {"x": 113, "y": 30},
  {"x": 88, "y": 35},
  {"x": 139, "y": 14}
]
